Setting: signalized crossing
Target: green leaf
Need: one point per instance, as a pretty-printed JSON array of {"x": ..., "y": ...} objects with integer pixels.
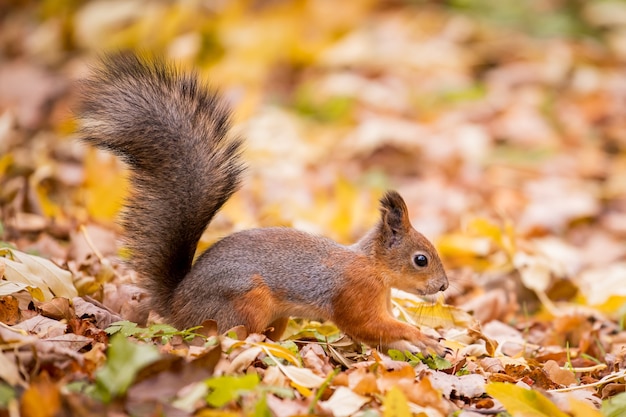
[
  {"x": 614, "y": 406},
  {"x": 7, "y": 394},
  {"x": 124, "y": 360},
  {"x": 396, "y": 355},
  {"x": 261, "y": 408},
  {"x": 225, "y": 389},
  {"x": 165, "y": 331},
  {"x": 126, "y": 328},
  {"x": 523, "y": 402},
  {"x": 433, "y": 362},
  {"x": 438, "y": 363}
]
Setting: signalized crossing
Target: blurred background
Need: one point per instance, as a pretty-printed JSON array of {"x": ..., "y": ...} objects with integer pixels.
[{"x": 502, "y": 123}]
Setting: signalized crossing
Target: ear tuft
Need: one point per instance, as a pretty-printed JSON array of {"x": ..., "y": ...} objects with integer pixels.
[
  {"x": 395, "y": 217},
  {"x": 393, "y": 201}
]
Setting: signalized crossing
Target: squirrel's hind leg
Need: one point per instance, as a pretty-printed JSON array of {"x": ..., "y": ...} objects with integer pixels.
[{"x": 257, "y": 310}]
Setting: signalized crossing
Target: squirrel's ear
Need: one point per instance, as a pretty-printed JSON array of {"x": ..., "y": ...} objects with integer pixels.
[{"x": 394, "y": 218}]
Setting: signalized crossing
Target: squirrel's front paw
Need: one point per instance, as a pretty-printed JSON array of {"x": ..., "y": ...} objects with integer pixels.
[{"x": 426, "y": 345}]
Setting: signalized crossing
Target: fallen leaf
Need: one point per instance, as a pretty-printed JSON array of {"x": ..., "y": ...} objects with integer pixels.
[
  {"x": 58, "y": 308},
  {"x": 395, "y": 404},
  {"x": 42, "y": 398},
  {"x": 244, "y": 359},
  {"x": 103, "y": 316},
  {"x": 344, "y": 402},
  {"x": 42, "y": 326},
  {"x": 614, "y": 406},
  {"x": 580, "y": 408},
  {"x": 38, "y": 272},
  {"x": 523, "y": 402},
  {"x": 9, "y": 309},
  {"x": 224, "y": 389},
  {"x": 469, "y": 386},
  {"x": 286, "y": 407},
  {"x": 9, "y": 371},
  {"x": 124, "y": 360},
  {"x": 558, "y": 375},
  {"x": 301, "y": 376}
]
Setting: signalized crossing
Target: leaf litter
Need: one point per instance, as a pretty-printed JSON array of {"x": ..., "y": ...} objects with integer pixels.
[{"x": 506, "y": 139}]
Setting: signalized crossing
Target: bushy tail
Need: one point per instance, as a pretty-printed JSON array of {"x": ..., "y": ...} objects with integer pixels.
[{"x": 172, "y": 131}]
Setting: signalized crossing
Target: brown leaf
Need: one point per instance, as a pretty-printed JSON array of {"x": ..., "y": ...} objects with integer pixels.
[
  {"x": 9, "y": 309},
  {"x": 42, "y": 326},
  {"x": 41, "y": 399},
  {"x": 86, "y": 307},
  {"x": 70, "y": 341},
  {"x": 160, "y": 381},
  {"x": 314, "y": 358},
  {"x": 424, "y": 394},
  {"x": 558, "y": 375},
  {"x": 363, "y": 382},
  {"x": 58, "y": 308},
  {"x": 28, "y": 89},
  {"x": 539, "y": 378},
  {"x": 612, "y": 389},
  {"x": 287, "y": 407},
  {"x": 27, "y": 222}
]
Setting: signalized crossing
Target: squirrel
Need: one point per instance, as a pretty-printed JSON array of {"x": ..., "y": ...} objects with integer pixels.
[{"x": 173, "y": 132}]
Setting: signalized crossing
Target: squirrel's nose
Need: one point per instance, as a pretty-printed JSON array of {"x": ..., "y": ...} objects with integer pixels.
[{"x": 444, "y": 286}]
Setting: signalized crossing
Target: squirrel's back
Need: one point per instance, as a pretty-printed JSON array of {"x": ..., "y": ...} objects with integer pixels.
[{"x": 173, "y": 133}]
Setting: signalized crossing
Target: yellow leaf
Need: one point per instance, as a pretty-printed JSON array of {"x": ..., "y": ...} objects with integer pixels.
[
  {"x": 436, "y": 315},
  {"x": 345, "y": 196},
  {"x": 582, "y": 409},
  {"x": 37, "y": 182},
  {"x": 301, "y": 378},
  {"x": 217, "y": 413},
  {"x": 105, "y": 185},
  {"x": 483, "y": 227},
  {"x": 395, "y": 404},
  {"x": 612, "y": 305},
  {"x": 42, "y": 398},
  {"x": 522, "y": 402},
  {"x": 459, "y": 249},
  {"x": 504, "y": 236},
  {"x": 5, "y": 162},
  {"x": 279, "y": 351}
]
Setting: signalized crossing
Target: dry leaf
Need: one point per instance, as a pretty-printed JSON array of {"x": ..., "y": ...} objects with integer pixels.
[
  {"x": 344, "y": 402},
  {"x": 557, "y": 374}
]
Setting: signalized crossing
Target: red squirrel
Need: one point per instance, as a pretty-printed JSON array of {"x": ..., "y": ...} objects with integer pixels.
[{"x": 173, "y": 132}]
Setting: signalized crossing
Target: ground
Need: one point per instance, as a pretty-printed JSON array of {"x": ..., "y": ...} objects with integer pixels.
[{"x": 502, "y": 123}]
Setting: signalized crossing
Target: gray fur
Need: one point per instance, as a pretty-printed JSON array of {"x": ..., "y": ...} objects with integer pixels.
[{"x": 172, "y": 132}]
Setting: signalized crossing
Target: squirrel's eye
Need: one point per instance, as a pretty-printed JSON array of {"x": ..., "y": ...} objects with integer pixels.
[{"x": 420, "y": 260}]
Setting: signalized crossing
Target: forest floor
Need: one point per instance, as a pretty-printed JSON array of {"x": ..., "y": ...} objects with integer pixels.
[{"x": 502, "y": 123}]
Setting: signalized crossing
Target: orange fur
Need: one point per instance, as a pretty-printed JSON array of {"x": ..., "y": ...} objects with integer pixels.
[
  {"x": 362, "y": 309},
  {"x": 264, "y": 311},
  {"x": 256, "y": 306}
]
